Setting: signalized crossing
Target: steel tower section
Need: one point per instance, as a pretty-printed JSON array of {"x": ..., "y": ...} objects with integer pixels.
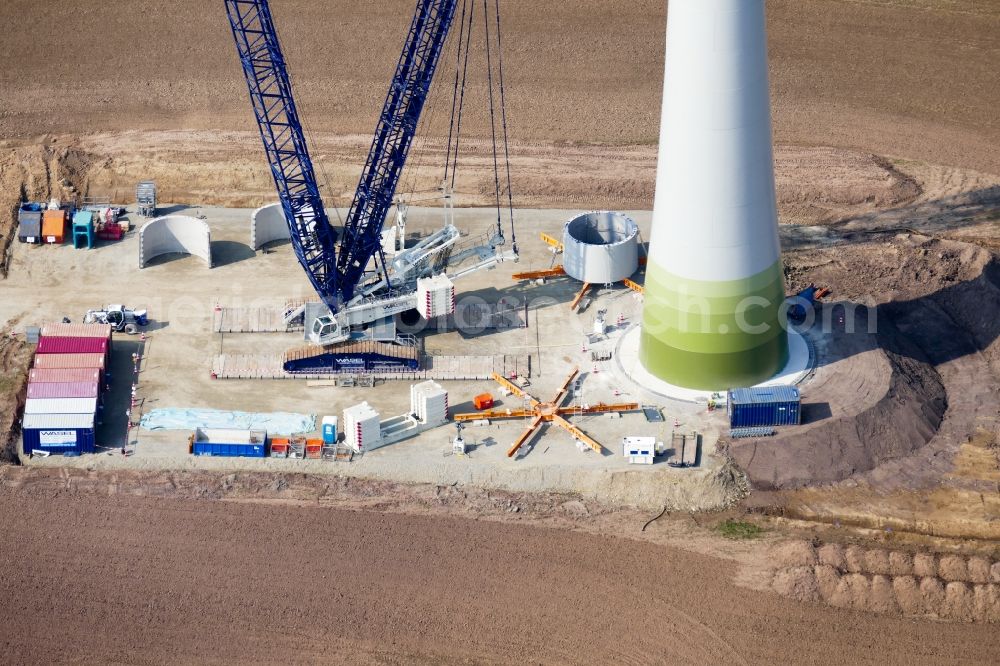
[
  {"x": 393, "y": 137},
  {"x": 713, "y": 316},
  {"x": 313, "y": 239}
]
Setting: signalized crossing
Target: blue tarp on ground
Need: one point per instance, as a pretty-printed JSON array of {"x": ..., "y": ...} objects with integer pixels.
[{"x": 279, "y": 423}]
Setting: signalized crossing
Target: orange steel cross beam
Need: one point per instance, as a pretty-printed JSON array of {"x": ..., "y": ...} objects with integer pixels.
[
  {"x": 547, "y": 412},
  {"x": 555, "y": 243},
  {"x": 555, "y": 271},
  {"x": 634, "y": 286},
  {"x": 579, "y": 296}
]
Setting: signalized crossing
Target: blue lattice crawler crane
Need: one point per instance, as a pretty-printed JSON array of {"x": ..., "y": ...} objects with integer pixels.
[{"x": 338, "y": 263}]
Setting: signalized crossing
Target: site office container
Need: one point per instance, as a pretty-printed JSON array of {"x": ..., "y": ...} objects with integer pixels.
[
  {"x": 764, "y": 406},
  {"x": 54, "y": 226},
  {"x": 60, "y": 406},
  {"x": 57, "y": 345},
  {"x": 63, "y": 375},
  {"x": 89, "y": 389},
  {"x": 68, "y": 434},
  {"x": 228, "y": 442},
  {"x": 77, "y": 331},
  {"x": 88, "y": 361}
]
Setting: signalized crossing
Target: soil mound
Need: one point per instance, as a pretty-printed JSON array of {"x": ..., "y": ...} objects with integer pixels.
[
  {"x": 944, "y": 308},
  {"x": 817, "y": 186},
  {"x": 949, "y": 587},
  {"x": 794, "y": 554}
]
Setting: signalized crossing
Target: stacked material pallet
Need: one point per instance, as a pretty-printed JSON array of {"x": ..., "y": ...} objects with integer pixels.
[
  {"x": 64, "y": 389},
  {"x": 435, "y": 296},
  {"x": 362, "y": 427},
  {"x": 429, "y": 402}
]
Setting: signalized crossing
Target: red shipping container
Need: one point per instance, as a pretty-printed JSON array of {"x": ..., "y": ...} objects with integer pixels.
[
  {"x": 51, "y": 375},
  {"x": 47, "y": 345},
  {"x": 76, "y": 331},
  {"x": 89, "y": 361},
  {"x": 63, "y": 390}
]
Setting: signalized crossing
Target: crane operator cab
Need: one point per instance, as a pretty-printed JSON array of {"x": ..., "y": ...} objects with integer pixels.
[{"x": 325, "y": 331}]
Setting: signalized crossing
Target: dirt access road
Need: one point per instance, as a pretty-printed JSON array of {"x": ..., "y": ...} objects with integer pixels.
[{"x": 188, "y": 580}]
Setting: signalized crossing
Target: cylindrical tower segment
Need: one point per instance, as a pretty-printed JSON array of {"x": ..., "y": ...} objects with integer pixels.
[{"x": 714, "y": 284}]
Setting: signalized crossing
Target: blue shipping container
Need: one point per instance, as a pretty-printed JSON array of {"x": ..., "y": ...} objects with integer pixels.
[
  {"x": 765, "y": 406},
  {"x": 230, "y": 442},
  {"x": 70, "y": 434},
  {"x": 230, "y": 450}
]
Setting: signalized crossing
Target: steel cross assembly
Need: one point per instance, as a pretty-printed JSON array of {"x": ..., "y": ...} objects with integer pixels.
[{"x": 547, "y": 412}]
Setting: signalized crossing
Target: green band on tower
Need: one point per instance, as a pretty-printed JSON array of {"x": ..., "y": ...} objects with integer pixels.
[{"x": 713, "y": 335}]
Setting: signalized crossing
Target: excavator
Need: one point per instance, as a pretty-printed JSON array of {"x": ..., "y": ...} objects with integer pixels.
[{"x": 347, "y": 265}]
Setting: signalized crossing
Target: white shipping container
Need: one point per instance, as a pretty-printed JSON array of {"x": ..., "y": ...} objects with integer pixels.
[
  {"x": 60, "y": 406},
  {"x": 639, "y": 450},
  {"x": 56, "y": 421}
]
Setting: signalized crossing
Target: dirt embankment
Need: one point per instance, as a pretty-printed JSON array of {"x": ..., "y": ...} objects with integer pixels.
[
  {"x": 946, "y": 586},
  {"x": 905, "y": 419},
  {"x": 822, "y": 185},
  {"x": 36, "y": 172},
  {"x": 15, "y": 356},
  {"x": 934, "y": 304}
]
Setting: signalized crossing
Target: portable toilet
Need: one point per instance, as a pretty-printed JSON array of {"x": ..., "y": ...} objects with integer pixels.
[
  {"x": 329, "y": 429},
  {"x": 83, "y": 230}
]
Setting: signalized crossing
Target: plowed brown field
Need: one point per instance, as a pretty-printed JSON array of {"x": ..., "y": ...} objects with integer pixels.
[
  {"x": 911, "y": 78},
  {"x": 97, "y": 579}
]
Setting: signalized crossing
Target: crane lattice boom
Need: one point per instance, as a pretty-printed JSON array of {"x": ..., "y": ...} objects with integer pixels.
[
  {"x": 336, "y": 275},
  {"x": 393, "y": 136},
  {"x": 313, "y": 239}
]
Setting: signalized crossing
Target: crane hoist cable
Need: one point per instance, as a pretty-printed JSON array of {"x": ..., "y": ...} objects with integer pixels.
[
  {"x": 503, "y": 115},
  {"x": 461, "y": 93},
  {"x": 454, "y": 94},
  {"x": 421, "y": 152},
  {"x": 493, "y": 123}
]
